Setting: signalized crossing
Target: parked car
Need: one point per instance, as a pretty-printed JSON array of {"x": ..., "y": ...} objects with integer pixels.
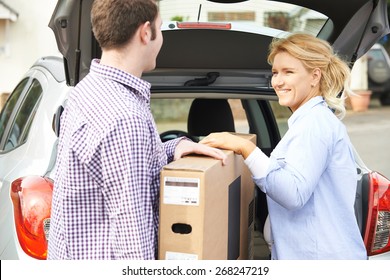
[
  {"x": 27, "y": 144},
  {"x": 217, "y": 59},
  {"x": 379, "y": 73}
]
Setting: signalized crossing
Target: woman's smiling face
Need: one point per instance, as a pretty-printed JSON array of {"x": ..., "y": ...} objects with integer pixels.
[{"x": 292, "y": 82}]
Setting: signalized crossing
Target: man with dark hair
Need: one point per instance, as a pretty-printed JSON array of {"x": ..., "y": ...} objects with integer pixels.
[{"x": 106, "y": 191}]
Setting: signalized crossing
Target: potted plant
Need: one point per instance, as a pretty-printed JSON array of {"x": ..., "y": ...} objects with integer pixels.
[{"x": 361, "y": 98}]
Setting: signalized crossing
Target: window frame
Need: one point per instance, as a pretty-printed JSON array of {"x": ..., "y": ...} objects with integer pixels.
[{"x": 16, "y": 110}]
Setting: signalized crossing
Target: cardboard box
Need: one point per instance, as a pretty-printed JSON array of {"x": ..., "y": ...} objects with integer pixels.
[{"x": 207, "y": 209}]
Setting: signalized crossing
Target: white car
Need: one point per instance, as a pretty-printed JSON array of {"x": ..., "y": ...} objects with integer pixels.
[
  {"x": 27, "y": 140},
  {"x": 217, "y": 58},
  {"x": 379, "y": 73}
]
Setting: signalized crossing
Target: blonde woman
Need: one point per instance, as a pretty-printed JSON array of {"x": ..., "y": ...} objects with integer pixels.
[{"x": 310, "y": 178}]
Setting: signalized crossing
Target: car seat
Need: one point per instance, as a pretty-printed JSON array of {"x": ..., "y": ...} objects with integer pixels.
[{"x": 209, "y": 115}]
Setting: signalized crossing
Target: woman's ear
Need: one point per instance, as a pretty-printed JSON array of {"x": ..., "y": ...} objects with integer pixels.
[{"x": 316, "y": 76}]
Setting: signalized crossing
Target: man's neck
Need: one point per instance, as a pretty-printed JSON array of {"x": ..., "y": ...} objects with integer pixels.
[{"x": 123, "y": 60}]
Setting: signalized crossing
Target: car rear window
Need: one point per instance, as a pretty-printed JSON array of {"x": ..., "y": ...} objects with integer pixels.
[{"x": 281, "y": 16}]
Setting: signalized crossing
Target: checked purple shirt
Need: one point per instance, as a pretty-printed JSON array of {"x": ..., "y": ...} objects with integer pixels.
[{"x": 106, "y": 191}]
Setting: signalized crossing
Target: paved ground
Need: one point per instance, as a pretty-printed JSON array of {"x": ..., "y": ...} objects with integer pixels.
[{"x": 370, "y": 133}]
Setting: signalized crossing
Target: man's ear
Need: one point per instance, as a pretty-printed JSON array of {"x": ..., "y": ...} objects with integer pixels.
[{"x": 145, "y": 32}]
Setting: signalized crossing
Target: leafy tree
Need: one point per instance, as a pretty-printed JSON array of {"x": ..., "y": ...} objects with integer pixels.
[{"x": 177, "y": 18}]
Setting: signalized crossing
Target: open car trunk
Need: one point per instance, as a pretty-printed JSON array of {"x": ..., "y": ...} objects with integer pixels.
[{"x": 352, "y": 28}]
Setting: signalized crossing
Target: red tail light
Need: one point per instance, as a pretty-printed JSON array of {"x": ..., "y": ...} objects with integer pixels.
[
  {"x": 31, "y": 197},
  {"x": 377, "y": 235}
]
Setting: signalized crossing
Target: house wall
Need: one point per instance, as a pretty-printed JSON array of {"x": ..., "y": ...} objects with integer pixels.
[{"x": 28, "y": 39}]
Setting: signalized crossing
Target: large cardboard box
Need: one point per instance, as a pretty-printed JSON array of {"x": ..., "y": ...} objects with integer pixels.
[{"x": 207, "y": 209}]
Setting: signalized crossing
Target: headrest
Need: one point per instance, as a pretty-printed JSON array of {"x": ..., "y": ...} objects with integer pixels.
[{"x": 210, "y": 115}]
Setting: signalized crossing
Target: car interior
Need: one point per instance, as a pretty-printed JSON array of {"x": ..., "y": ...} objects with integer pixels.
[{"x": 205, "y": 116}]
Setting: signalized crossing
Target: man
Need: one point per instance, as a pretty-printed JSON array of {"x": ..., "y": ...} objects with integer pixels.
[{"x": 106, "y": 193}]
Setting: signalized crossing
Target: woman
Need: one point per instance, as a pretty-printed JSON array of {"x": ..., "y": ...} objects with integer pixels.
[{"x": 310, "y": 178}]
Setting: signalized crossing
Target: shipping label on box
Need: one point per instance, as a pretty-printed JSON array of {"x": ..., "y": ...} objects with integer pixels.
[{"x": 181, "y": 191}]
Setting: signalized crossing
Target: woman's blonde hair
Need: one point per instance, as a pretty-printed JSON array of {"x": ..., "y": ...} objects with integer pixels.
[{"x": 317, "y": 53}]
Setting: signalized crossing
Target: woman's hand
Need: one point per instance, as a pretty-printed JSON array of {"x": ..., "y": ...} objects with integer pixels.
[
  {"x": 185, "y": 147},
  {"x": 228, "y": 141}
]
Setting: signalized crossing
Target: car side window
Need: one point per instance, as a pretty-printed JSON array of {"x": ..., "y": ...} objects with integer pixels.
[
  {"x": 376, "y": 55},
  {"x": 281, "y": 113},
  {"x": 172, "y": 114},
  {"x": 20, "y": 114},
  {"x": 239, "y": 115},
  {"x": 9, "y": 107}
]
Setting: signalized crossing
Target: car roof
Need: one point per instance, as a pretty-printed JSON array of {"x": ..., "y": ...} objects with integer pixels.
[
  {"x": 351, "y": 27},
  {"x": 51, "y": 63}
]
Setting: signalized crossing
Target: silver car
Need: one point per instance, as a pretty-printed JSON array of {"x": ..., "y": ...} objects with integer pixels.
[
  {"x": 27, "y": 140},
  {"x": 379, "y": 73}
]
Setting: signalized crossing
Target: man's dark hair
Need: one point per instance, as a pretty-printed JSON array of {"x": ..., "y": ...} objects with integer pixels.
[{"x": 114, "y": 22}]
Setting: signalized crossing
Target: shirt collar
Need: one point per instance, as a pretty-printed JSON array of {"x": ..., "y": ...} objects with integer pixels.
[
  {"x": 301, "y": 111},
  {"x": 137, "y": 84}
]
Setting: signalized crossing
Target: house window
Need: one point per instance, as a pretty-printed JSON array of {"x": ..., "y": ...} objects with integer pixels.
[
  {"x": 7, "y": 15},
  {"x": 231, "y": 16},
  {"x": 278, "y": 20},
  {"x": 3, "y": 27}
]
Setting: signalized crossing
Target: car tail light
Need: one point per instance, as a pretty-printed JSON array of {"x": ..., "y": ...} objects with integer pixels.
[
  {"x": 31, "y": 197},
  {"x": 377, "y": 235}
]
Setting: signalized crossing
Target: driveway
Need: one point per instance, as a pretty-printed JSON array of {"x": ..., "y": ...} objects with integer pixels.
[{"x": 370, "y": 133}]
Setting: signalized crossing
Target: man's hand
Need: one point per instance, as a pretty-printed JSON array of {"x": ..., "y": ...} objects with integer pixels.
[{"x": 185, "y": 147}]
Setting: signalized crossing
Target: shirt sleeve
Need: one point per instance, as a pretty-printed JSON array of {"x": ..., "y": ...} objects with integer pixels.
[
  {"x": 295, "y": 169},
  {"x": 258, "y": 163},
  {"x": 170, "y": 147}
]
